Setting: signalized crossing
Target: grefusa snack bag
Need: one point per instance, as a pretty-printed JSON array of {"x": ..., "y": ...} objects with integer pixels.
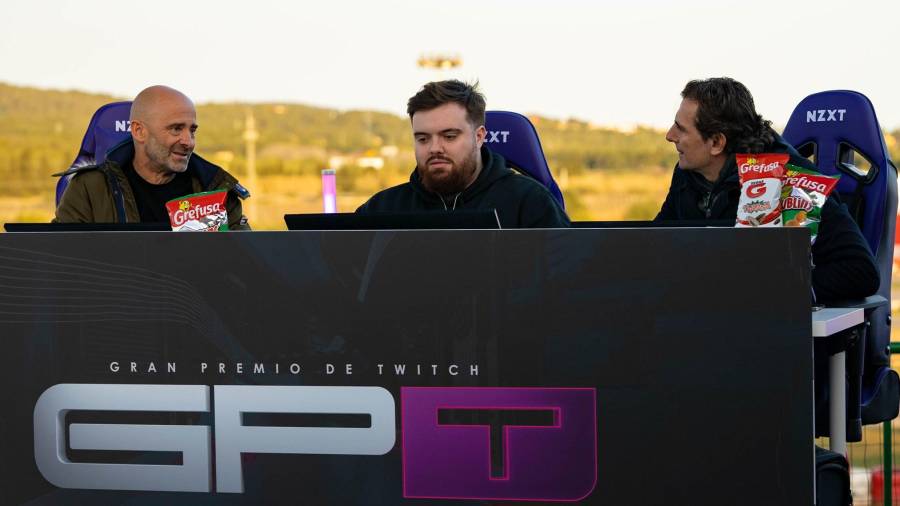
[
  {"x": 199, "y": 212},
  {"x": 802, "y": 196},
  {"x": 760, "y": 201}
]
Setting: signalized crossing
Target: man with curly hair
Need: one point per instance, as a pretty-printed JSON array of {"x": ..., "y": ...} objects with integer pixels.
[{"x": 716, "y": 119}]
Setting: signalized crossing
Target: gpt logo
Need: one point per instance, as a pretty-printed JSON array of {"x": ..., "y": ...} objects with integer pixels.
[
  {"x": 547, "y": 443},
  {"x": 475, "y": 443}
]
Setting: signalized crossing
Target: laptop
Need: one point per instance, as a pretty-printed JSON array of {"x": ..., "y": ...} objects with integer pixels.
[
  {"x": 87, "y": 227},
  {"x": 653, "y": 224},
  {"x": 427, "y": 220}
]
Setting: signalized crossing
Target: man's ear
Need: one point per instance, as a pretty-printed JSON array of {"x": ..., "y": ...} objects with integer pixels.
[
  {"x": 480, "y": 134},
  {"x": 138, "y": 131},
  {"x": 717, "y": 146}
]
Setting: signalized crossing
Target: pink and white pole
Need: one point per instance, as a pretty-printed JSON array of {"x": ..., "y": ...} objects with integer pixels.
[{"x": 329, "y": 191}]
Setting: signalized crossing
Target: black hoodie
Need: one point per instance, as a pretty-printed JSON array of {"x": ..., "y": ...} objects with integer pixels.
[
  {"x": 843, "y": 266},
  {"x": 520, "y": 201}
]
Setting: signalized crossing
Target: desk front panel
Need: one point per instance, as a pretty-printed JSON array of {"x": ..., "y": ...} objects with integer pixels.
[{"x": 609, "y": 366}]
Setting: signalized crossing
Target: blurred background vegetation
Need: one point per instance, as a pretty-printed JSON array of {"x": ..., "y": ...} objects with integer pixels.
[{"x": 605, "y": 173}]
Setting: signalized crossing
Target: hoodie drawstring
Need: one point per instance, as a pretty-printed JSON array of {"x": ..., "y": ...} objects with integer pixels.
[{"x": 454, "y": 202}]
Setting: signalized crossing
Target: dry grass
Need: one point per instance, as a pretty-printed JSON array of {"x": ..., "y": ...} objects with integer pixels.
[{"x": 616, "y": 195}]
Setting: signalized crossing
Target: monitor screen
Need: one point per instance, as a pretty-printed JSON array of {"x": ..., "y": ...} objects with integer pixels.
[
  {"x": 653, "y": 224},
  {"x": 87, "y": 227},
  {"x": 440, "y": 220}
]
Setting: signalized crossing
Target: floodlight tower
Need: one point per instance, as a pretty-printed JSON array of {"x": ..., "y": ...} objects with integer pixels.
[
  {"x": 250, "y": 137},
  {"x": 439, "y": 62}
]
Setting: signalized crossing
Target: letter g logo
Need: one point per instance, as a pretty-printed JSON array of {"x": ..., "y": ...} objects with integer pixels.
[{"x": 756, "y": 190}]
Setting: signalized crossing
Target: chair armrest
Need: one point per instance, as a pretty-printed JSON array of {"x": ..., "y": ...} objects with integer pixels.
[{"x": 870, "y": 302}]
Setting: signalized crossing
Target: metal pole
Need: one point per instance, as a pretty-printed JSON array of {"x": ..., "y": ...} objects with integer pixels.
[
  {"x": 837, "y": 405},
  {"x": 250, "y": 137},
  {"x": 887, "y": 466}
]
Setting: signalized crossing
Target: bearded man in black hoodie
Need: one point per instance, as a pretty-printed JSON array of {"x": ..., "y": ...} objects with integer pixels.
[
  {"x": 717, "y": 118},
  {"x": 454, "y": 170}
]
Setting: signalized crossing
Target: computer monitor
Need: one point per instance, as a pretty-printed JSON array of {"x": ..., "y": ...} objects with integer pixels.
[
  {"x": 439, "y": 220},
  {"x": 87, "y": 227},
  {"x": 653, "y": 224}
]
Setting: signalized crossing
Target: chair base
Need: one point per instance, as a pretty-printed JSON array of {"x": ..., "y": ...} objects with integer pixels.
[{"x": 881, "y": 398}]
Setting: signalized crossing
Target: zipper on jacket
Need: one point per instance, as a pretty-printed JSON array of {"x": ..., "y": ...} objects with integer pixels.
[
  {"x": 118, "y": 198},
  {"x": 704, "y": 203},
  {"x": 710, "y": 202}
]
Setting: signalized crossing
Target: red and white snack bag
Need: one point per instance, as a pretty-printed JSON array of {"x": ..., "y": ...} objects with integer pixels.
[
  {"x": 760, "y": 202},
  {"x": 199, "y": 212}
]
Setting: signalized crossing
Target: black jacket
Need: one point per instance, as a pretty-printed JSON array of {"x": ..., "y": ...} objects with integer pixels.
[
  {"x": 520, "y": 201},
  {"x": 843, "y": 266}
]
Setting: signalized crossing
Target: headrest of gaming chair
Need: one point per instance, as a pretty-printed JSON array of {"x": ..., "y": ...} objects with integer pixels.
[
  {"x": 514, "y": 137},
  {"x": 108, "y": 127},
  {"x": 830, "y": 126}
]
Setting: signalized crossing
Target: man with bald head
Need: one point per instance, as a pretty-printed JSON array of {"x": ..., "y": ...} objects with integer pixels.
[{"x": 156, "y": 165}]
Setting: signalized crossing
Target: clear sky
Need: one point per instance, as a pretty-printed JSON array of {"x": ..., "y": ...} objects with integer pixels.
[{"x": 616, "y": 62}]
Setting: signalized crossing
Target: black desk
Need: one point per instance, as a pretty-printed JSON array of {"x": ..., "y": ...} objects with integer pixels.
[{"x": 629, "y": 366}]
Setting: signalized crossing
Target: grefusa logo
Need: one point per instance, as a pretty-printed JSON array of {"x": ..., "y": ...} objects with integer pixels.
[{"x": 187, "y": 213}]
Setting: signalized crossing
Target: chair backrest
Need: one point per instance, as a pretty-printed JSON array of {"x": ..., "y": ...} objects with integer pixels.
[
  {"x": 833, "y": 128},
  {"x": 514, "y": 137},
  {"x": 108, "y": 127}
]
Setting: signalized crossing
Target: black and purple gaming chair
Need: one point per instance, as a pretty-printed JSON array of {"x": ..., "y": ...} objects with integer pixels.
[
  {"x": 513, "y": 136},
  {"x": 832, "y": 128},
  {"x": 108, "y": 127}
]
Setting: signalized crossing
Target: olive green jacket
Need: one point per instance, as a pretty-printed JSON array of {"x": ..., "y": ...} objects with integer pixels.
[{"x": 102, "y": 193}]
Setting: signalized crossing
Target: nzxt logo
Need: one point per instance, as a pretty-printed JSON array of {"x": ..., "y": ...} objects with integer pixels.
[
  {"x": 497, "y": 136},
  {"x": 822, "y": 115},
  {"x": 123, "y": 126},
  {"x": 532, "y": 444}
]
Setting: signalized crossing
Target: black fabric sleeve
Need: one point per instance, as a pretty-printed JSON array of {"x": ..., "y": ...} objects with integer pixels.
[
  {"x": 668, "y": 210},
  {"x": 844, "y": 267},
  {"x": 540, "y": 210}
]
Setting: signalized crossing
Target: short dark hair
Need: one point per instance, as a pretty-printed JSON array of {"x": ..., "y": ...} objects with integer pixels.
[
  {"x": 726, "y": 106},
  {"x": 438, "y": 93}
]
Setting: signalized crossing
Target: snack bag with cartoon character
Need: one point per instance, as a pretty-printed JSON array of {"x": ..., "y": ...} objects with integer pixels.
[
  {"x": 199, "y": 212},
  {"x": 760, "y": 201},
  {"x": 803, "y": 194}
]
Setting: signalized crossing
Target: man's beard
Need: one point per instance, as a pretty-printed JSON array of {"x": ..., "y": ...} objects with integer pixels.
[
  {"x": 159, "y": 154},
  {"x": 451, "y": 182}
]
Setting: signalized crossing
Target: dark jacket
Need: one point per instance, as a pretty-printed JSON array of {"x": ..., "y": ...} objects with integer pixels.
[
  {"x": 843, "y": 266},
  {"x": 102, "y": 193},
  {"x": 520, "y": 201}
]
